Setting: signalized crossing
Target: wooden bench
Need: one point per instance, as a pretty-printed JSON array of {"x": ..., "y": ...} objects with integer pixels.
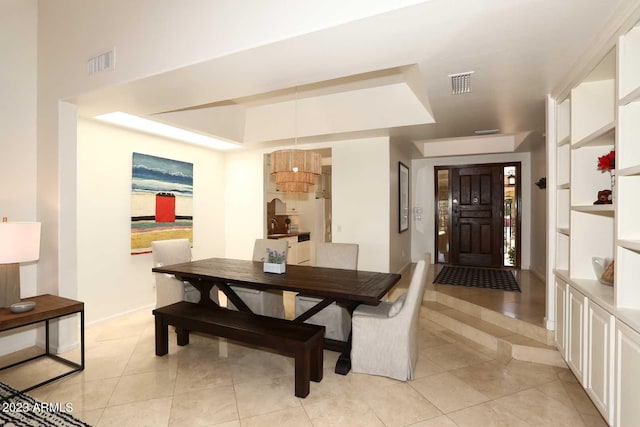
[{"x": 301, "y": 340}]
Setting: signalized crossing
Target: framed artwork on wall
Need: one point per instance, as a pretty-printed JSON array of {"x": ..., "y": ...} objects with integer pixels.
[
  {"x": 161, "y": 201},
  {"x": 403, "y": 193}
]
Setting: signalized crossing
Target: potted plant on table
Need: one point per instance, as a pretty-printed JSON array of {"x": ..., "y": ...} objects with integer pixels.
[{"x": 275, "y": 262}]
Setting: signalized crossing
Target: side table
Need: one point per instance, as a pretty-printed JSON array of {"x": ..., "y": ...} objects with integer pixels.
[{"x": 48, "y": 307}]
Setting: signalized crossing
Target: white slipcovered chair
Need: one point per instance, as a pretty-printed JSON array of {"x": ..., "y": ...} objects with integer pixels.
[
  {"x": 384, "y": 336},
  {"x": 170, "y": 290},
  {"x": 334, "y": 318},
  {"x": 266, "y": 303}
]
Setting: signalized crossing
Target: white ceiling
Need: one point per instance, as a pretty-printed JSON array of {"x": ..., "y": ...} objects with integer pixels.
[{"x": 382, "y": 75}]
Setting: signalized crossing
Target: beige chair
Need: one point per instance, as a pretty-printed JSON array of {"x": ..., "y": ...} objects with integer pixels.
[
  {"x": 266, "y": 303},
  {"x": 384, "y": 336},
  {"x": 334, "y": 318},
  {"x": 170, "y": 290}
]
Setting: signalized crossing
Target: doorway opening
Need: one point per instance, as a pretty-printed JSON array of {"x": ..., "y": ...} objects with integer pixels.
[{"x": 478, "y": 215}]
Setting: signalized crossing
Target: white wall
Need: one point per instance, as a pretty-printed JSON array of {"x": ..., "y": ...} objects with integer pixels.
[
  {"x": 244, "y": 203},
  {"x": 72, "y": 31},
  {"x": 18, "y": 83},
  {"x": 18, "y": 86},
  {"x": 18, "y": 20},
  {"x": 423, "y": 196},
  {"x": 399, "y": 243},
  {"x": 361, "y": 198},
  {"x": 538, "y": 213},
  {"x": 110, "y": 280}
]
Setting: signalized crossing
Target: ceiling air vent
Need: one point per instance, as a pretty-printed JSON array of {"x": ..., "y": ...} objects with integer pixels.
[
  {"x": 461, "y": 82},
  {"x": 103, "y": 62}
]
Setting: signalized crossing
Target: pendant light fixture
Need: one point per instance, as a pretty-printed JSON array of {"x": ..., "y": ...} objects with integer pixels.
[{"x": 295, "y": 170}]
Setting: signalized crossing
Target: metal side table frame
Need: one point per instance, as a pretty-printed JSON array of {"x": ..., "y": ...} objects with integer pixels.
[{"x": 48, "y": 307}]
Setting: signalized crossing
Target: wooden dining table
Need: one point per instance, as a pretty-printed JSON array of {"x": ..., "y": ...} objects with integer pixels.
[{"x": 348, "y": 288}]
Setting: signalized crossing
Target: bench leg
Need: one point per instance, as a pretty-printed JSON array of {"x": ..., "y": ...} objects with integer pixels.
[
  {"x": 182, "y": 336},
  {"x": 302, "y": 373},
  {"x": 317, "y": 356},
  {"x": 162, "y": 336}
]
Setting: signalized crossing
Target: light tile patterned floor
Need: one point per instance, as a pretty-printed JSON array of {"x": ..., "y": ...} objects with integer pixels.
[{"x": 212, "y": 382}]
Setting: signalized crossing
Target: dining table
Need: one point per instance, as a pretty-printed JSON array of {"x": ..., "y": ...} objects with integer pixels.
[{"x": 348, "y": 288}]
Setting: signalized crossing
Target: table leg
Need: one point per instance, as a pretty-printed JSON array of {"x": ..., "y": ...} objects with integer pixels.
[
  {"x": 302, "y": 373},
  {"x": 234, "y": 298},
  {"x": 343, "y": 365},
  {"x": 162, "y": 337},
  {"x": 46, "y": 337},
  {"x": 317, "y": 357},
  {"x": 183, "y": 336},
  {"x": 205, "y": 292},
  {"x": 82, "y": 340}
]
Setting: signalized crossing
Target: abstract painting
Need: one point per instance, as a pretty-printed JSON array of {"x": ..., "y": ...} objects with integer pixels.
[{"x": 161, "y": 201}]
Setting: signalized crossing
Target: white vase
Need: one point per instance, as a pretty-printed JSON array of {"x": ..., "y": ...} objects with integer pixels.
[
  {"x": 612, "y": 172},
  {"x": 269, "y": 267},
  {"x": 599, "y": 265}
]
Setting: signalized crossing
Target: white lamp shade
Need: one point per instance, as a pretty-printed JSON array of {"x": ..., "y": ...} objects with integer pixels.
[{"x": 19, "y": 242}]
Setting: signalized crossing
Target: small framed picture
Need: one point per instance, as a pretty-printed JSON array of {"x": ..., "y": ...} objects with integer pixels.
[{"x": 403, "y": 180}]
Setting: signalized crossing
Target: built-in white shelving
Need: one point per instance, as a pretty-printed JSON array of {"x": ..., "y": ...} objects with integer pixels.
[
  {"x": 633, "y": 245},
  {"x": 600, "y": 336},
  {"x": 629, "y": 56},
  {"x": 607, "y": 210}
]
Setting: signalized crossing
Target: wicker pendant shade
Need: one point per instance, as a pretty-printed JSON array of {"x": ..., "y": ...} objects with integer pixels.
[{"x": 295, "y": 170}]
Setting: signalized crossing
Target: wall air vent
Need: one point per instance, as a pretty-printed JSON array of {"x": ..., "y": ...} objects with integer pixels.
[
  {"x": 103, "y": 62},
  {"x": 461, "y": 82}
]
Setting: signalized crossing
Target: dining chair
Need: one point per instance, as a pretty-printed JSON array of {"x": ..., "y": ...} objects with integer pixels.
[
  {"x": 384, "y": 336},
  {"x": 268, "y": 302},
  {"x": 334, "y": 318},
  {"x": 169, "y": 289}
]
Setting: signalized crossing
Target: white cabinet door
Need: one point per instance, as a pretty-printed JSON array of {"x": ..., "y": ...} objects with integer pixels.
[
  {"x": 304, "y": 252},
  {"x": 561, "y": 318},
  {"x": 576, "y": 355},
  {"x": 627, "y": 377},
  {"x": 292, "y": 250},
  {"x": 600, "y": 347}
]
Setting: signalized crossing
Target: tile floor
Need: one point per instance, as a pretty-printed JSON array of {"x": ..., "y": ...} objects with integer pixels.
[
  {"x": 528, "y": 305},
  {"x": 211, "y": 382}
]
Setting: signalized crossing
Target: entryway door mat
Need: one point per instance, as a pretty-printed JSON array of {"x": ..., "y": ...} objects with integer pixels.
[
  {"x": 23, "y": 410},
  {"x": 478, "y": 278}
]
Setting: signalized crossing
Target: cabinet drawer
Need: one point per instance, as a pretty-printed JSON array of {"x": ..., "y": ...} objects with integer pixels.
[{"x": 304, "y": 251}]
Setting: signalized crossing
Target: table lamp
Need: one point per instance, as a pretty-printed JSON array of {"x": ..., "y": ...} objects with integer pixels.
[{"x": 19, "y": 242}]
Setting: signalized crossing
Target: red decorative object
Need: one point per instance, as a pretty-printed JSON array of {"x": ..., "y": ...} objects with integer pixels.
[
  {"x": 165, "y": 207},
  {"x": 607, "y": 162}
]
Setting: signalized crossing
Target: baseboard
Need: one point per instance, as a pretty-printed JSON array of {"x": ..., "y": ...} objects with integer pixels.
[
  {"x": 404, "y": 266},
  {"x": 55, "y": 349},
  {"x": 121, "y": 314},
  {"x": 16, "y": 341},
  {"x": 539, "y": 275}
]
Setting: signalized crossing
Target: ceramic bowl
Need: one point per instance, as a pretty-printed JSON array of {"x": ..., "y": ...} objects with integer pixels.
[{"x": 21, "y": 307}]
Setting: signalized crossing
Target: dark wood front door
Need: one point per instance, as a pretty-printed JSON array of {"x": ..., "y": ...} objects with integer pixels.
[{"x": 476, "y": 207}]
